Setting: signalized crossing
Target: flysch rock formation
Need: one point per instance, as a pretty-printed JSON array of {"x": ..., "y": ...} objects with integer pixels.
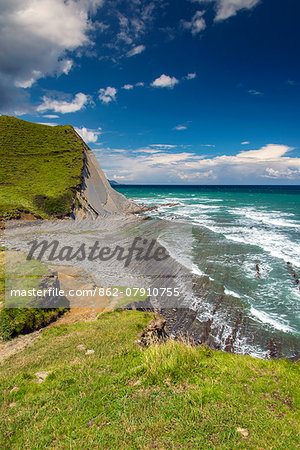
[{"x": 96, "y": 197}]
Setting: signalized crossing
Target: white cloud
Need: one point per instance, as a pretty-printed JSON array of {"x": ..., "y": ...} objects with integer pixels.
[
  {"x": 66, "y": 65},
  {"x": 170, "y": 166},
  {"x": 128, "y": 87},
  {"x": 108, "y": 94},
  {"x": 150, "y": 166},
  {"x": 51, "y": 116},
  {"x": 48, "y": 124},
  {"x": 269, "y": 152},
  {"x": 35, "y": 37},
  {"x": 88, "y": 135},
  {"x": 151, "y": 151},
  {"x": 245, "y": 143},
  {"x": 29, "y": 82},
  {"x": 180, "y": 127},
  {"x": 120, "y": 150},
  {"x": 62, "y": 106},
  {"x": 164, "y": 81},
  {"x": 283, "y": 173},
  {"x": 190, "y": 76},
  {"x": 229, "y": 8},
  {"x": 291, "y": 82},
  {"x": 167, "y": 159},
  {"x": 163, "y": 146},
  {"x": 136, "y": 51},
  {"x": 135, "y": 19},
  {"x": 197, "y": 23},
  {"x": 254, "y": 92}
]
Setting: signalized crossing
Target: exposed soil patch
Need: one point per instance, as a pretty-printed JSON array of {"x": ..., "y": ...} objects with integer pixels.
[{"x": 18, "y": 344}]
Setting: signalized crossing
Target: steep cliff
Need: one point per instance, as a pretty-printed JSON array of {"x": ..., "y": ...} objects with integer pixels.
[
  {"x": 50, "y": 172},
  {"x": 96, "y": 197}
]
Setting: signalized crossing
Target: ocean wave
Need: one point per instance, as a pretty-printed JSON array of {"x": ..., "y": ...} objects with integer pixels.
[
  {"x": 270, "y": 320},
  {"x": 274, "y": 218},
  {"x": 272, "y": 241},
  {"x": 208, "y": 207},
  {"x": 276, "y": 244},
  {"x": 231, "y": 293}
]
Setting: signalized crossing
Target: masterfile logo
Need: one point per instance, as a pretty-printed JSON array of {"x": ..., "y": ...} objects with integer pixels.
[{"x": 139, "y": 250}]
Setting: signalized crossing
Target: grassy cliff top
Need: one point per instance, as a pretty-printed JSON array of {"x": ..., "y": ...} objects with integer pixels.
[{"x": 40, "y": 168}]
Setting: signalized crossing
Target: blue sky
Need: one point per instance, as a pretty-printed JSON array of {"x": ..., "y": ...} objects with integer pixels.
[{"x": 172, "y": 92}]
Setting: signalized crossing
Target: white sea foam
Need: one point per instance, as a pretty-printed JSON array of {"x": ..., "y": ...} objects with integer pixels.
[
  {"x": 209, "y": 200},
  {"x": 271, "y": 240},
  {"x": 274, "y": 243},
  {"x": 275, "y": 322},
  {"x": 274, "y": 218},
  {"x": 207, "y": 207},
  {"x": 195, "y": 269},
  {"x": 232, "y": 293}
]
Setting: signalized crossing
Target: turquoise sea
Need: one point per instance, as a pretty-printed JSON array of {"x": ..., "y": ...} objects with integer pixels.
[{"x": 243, "y": 239}]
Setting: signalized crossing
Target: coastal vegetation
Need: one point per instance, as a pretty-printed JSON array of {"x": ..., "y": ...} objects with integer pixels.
[
  {"x": 40, "y": 168},
  {"x": 15, "y": 321},
  {"x": 91, "y": 385}
]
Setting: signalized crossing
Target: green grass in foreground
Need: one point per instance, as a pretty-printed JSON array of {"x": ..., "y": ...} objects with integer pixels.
[
  {"x": 127, "y": 397},
  {"x": 40, "y": 168}
]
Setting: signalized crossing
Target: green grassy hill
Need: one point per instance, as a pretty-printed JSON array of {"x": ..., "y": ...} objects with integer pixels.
[
  {"x": 119, "y": 395},
  {"x": 40, "y": 168}
]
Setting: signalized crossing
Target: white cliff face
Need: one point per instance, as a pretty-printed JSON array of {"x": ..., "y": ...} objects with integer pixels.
[{"x": 97, "y": 198}]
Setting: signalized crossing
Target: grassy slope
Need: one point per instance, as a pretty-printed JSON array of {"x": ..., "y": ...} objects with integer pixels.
[
  {"x": 123, "y": 396},
  {"x": 40, "y": 168}
]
